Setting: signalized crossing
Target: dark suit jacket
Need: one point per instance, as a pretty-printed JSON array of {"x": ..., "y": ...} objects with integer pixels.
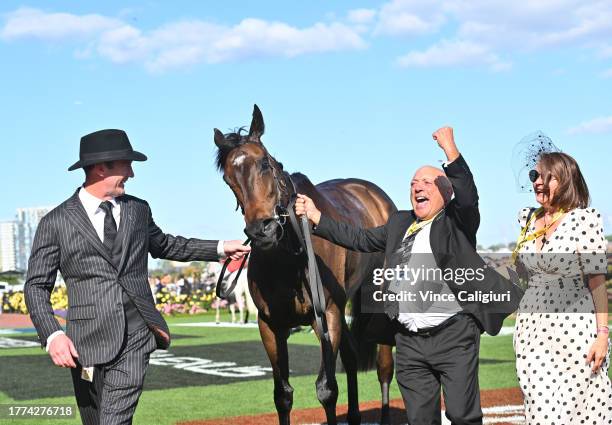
[
  {"x": 66, "y": 240},
  {"x": 453, "y": 243}
]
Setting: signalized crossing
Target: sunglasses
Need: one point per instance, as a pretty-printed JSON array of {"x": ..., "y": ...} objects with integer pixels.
[{"x": 533, "y": 175}]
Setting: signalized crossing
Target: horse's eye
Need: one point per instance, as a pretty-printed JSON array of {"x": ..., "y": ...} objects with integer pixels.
[{"x": 265, "y": 164}]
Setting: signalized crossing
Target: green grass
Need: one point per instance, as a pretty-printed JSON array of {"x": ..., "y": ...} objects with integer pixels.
[{"x": 168, "y": 406}]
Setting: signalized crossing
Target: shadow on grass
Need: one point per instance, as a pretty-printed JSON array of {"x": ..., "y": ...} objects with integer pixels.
[{"x": 31, "y": 377}]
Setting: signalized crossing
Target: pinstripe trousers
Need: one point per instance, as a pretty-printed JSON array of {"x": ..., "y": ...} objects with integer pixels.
[{"x": 112, "y": 397}]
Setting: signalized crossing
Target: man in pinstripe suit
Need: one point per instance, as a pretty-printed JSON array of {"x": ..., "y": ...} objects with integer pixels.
[{"x": 99, "y": 239}]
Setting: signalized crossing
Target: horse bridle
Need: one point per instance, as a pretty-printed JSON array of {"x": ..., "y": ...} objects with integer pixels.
[
  {"x": 281, "y": 214},
  {"x": 282, "y": 188}
]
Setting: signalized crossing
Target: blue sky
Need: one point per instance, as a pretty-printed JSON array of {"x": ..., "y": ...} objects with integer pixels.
[{"x": 347, "y": 89}]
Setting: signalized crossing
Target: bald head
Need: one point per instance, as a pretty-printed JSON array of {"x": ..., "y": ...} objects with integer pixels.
[
  {"x": 430, "y": 191},
  {"x": 429, "y": 170}
]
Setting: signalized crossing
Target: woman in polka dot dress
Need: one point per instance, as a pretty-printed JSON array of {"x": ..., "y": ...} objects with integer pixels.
[{"x": 561, "y": 336}]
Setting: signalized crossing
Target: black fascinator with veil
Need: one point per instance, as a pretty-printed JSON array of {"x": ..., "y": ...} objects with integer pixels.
[{"x": 526, "y": 155}]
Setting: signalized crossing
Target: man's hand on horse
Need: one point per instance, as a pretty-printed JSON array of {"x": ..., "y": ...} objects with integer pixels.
[
  {"x": 235, "y": 250},
  {"x": 305, "y": 205},
  {"x": 446, "y": 140},
  {"x": 62, "y": 351}
]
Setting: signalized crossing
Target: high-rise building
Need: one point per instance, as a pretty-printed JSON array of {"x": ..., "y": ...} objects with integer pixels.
[
  {"x": 27, "y": 222},
  {"x": 8, "y": 245}
]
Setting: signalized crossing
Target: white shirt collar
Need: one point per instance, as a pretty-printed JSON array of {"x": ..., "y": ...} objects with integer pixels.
[{"x": 92, "y": 203}]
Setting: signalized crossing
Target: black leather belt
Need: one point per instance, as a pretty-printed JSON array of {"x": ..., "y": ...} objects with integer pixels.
[{"x": 434, "y": 329}]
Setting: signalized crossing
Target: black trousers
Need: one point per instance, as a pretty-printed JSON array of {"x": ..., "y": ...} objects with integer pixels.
[
  {"x": 448, "y": 359},
  {"x": 112, "y": 397}
]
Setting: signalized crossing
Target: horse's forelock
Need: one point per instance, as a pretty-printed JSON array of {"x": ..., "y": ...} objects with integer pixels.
[{"x": 234, "y": 139}]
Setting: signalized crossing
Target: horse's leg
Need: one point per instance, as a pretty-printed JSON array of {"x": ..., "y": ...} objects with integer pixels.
[
  {"x": 327, "y": 387},
  {"x": 251, "y": 308},
  {"x": 384, "y": 369},
  {"x": 348, "y": 354},
  {"x": 240, "y": 302},
  {"x": 275, "y": 344}
]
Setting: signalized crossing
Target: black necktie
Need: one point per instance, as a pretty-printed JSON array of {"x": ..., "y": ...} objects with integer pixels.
[
  {"x": 133, "y": 318},
  {"x": 110, "y": 225}
]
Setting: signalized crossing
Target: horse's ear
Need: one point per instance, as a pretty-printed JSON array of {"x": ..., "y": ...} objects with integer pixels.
[
  {"x": 220, "y": 139},
  {"x": 257, "y": 125}
]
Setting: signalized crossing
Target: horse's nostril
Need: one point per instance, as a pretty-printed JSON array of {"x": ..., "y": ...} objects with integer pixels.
[{"x": 268, "y": 225}]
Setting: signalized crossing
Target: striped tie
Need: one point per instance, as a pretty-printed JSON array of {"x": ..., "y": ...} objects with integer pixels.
[
  {"x": 110, "y": 225},
  {"x": 404, "y": 252}
]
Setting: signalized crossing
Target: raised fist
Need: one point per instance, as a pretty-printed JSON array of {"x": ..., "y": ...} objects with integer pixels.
[{"x": 446, "y": 140}]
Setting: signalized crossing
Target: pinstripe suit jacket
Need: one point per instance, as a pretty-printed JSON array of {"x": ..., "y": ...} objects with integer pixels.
[{"x": 67, "y": 241}]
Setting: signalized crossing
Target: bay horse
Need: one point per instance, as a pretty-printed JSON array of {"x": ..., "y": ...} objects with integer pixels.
[{"x": 276, "y": 277}]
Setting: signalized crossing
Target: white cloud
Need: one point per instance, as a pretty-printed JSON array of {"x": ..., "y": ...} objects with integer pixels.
[
  {"x": 410, "y": 17},
  {"x": 499, "y": 26},
  {"x": 34, "y": 23},
  {"x": 533, "y": 23},
  {"x": 451, "y": 53},
  {"x": 361, "y": 16},
  {"x": 463, "y": 32},
  {"x": 177, "y": 44},
  {"x": 257, "y": 37},
  {"x": 595, "y": 126}
]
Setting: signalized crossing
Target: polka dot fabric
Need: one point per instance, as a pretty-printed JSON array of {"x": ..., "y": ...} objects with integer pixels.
[{"x": 555, "y": 325}]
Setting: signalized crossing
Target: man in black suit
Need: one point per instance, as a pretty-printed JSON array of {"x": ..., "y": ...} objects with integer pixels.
[
  {"x": 99, "y": 239},
  {"x": 437, "y": 341}
]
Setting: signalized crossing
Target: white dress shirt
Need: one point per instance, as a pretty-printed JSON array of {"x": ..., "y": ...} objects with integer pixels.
[
  {"x": 96, "y": 214},
  {"x": 422, "y": 247}
]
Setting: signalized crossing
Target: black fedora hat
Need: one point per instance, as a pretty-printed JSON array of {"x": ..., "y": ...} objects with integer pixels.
[{"x": 103, "y": 146}]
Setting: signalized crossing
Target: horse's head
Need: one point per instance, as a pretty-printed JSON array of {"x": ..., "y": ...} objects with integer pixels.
[{"x": 258, "y": 181}]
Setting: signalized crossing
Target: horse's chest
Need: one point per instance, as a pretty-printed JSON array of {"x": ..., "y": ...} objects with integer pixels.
[{"x": 284, "y": 301}]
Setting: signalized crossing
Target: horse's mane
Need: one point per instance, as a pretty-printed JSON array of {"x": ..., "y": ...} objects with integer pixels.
[
  {"x": 300, "y": 180},
  {"x": 236, "y": 138}
]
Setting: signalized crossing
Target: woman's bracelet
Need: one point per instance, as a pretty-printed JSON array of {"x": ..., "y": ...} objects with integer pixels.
[{"x": 603, "y": 330}]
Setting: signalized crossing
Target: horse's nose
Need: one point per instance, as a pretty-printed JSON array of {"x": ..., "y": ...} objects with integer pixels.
[
  {"x": 265, "y": 234},
  {"x": 262, "y": 229}
]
